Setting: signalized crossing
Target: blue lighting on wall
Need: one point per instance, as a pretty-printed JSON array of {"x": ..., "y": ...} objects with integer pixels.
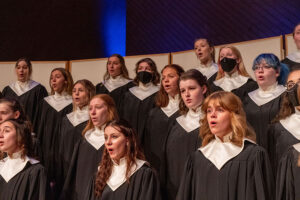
[{"x": 113, "y": 26}]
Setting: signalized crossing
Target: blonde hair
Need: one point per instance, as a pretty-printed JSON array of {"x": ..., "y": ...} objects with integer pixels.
[
  {"x": 233, "y": 104},
  {"x": 111, "y": 109},
  {"x": 241, "y": 67}
]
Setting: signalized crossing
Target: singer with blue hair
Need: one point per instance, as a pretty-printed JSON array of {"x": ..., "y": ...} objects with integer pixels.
[{"x": 263, "y": 104}]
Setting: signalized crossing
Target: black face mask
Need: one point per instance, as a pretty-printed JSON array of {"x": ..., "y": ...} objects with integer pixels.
[
  {"x": 228, "y": 64},
  {"x": 144, "y": 76},
  {"x": 293, "y": 95}
]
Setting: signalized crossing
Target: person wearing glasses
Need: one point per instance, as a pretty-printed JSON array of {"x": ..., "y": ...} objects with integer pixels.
[
  {"x": 263, "y": 104},
  {"x": 285, "y": 132},
  {"x": 293, "y": 59}
]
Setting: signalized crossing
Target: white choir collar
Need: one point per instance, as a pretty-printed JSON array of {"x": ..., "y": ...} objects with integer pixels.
[
  {"x": 229, "y": 83},
  {"x": 295, "y": 56},
  {"x": 118, "y": 174},
  {"x": 95, "y": 137},
  {"x": 261, "y": 97},
  {"x": 291, "y": 124},
  {"x": 11, "y": 166},
  {"x": 22, "y": 87},
  {"x": 172, "y": 106},
  {"x": 297, "y": 147},
  {"x": 190, "y": 121},
  {"x": 59, "y": 101},
  {"x": 114, "y": 83},
  {"x": 219, "y": 153},
  {"x": 143, "y": 91},
  {"x": 208, "y": 70},
  {"x": 78, "y": 116}
]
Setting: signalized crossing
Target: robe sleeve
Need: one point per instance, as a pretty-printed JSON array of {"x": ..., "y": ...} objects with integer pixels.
[
  {"x": 263, "y": 176},
  {"x": 185, "y": 191},
  {"x": 37, "y": 185},
  {"x": 285, "y": 189}
]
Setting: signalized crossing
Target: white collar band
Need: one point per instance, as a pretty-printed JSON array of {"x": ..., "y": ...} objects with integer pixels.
[
  {"x": 295, "y": 56},
  {"x": 291, "y": 124},
  {"x": 172, "y": 107},
  {"x": 229, "y": 83},
  {"x": 297, "y": 147},
  {"x": 261, "y": 97},
  {"x": 78, "y": 116},
  {"x": 59, "y": 101},
  {"x": 208, "y": 70},
  {"x": 118, "y": 174},
  {"x": 20, "y": 88},
  {"x": 114, "y": 83},
  {"x": 144, "y": 91},
  {"x": 190, "y": 121},
  {"x": 95, "y": 137}
]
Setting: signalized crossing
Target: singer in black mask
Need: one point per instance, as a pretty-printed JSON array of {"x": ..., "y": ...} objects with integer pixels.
[
  {"x": 139, "y": 100},
  {"x": 232, "y": 75},
  {"x": 286, "y": 131}
]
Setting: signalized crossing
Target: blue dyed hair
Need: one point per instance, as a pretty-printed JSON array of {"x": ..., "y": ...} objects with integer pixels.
[{"x": 274, "y": 62}]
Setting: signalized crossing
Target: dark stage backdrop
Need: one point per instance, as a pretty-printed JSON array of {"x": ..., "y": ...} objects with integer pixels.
[
  {"x": 160, "y": 26},
  {"x": 60, "y": 29}
]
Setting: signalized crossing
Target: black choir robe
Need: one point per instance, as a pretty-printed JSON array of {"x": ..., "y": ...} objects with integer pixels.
[
  {"x": 29, "y": 99},
  {"x": 180, "y": 143},
  {"x": 260, "y": 116},
  {"x": 241, "y": 91},
  {"x": 291, "y": 64},
  {"x": 84, "y": 165},
  {"x": 245, "y": 177},
  {"x": 209, "y": 71},
  {"x": 48, "y": 129},
  {"x": 70, "y": 135},
  {"x": 117, "y": 94},
  {"x": 281, "y": 139},
  {"x": 157, "y": 127},
  {"x": 30, "y": 183},
  {"x": 143, "y": 184},
  {"x": 288, "y": 176},
  {"x": 135, "y": 111}
]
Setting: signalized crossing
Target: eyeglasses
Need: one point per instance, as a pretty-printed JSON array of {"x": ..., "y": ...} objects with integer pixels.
[
  {"x": 258, "y": 67},
  {"x": 289, "y": 85}
]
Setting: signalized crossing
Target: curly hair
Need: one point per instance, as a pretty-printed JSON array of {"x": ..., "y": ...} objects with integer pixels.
[
  {"x": 124, "y": 71},
  {"x": 151, "y": 63},
  {"x": 241, "y": 67},
  {"x": 24, "y": 138},
  {"x": 162, "y": 98},
  {"x": 68, "y": 77},
  {"x": 111, "y": 109},
  {"x": 197, "y": 76},
  {"x": 89, "y": 87},
  {"x": 239, "y": 126},
  {"x": 133, "y": 152}
]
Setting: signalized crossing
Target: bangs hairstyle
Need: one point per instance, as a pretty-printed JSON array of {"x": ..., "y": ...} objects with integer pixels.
[
  {"x": 23, "y": 135},
  {"x": 240, "y": 68},
  {"x": 68, "y": 77},
  {"x": 111, "y": 109},
  {"x": 211, "y": 45},
  {"x": 162, "y": 98},
  {"x": 155, "y": 74},
  {"x": 133, "y": 152},
  {"x": 233, "y": 104},
  {"x": 294, "y": 31},
  {"x": 192, "y": 74},
  {"x": 28, "y": 63},
  {"x": 89, "y": 87},
  {"x": 286, "y": 107},
  {"x": 124, "y": 71},
  {"x": 15, "y": 106},
  {"x": 274, "y": 62}
]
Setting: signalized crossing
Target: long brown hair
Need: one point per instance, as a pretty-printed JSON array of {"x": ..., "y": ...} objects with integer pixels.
[
  {"x": 133, "y": 152},
  {"x": 197, "y": 76},
  {"x": 233, "y": 104},
  {"x": 89, "y": 87},
  {"x": 241, "y": 67},
  {"x": 124, "y": 71},
  {"x": 151, "y": 63},
  {"x": 111, "y": 109},
  {"x": 68, "y": 77},
  {"x": 162, "y": 98},
  {"x": 24, "y": 138}
]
